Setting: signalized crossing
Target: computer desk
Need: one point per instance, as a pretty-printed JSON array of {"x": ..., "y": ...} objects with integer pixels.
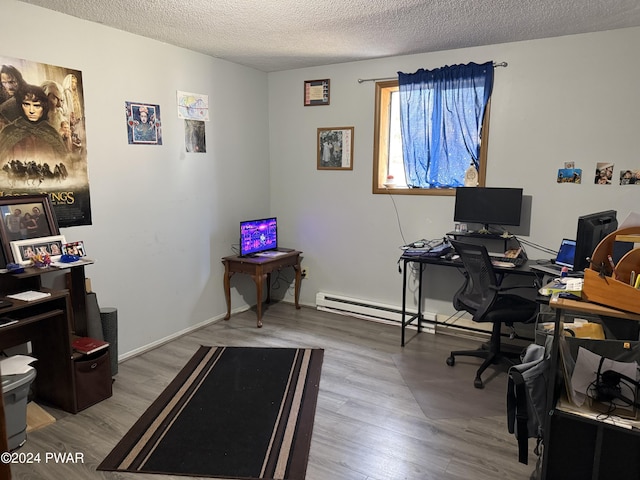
[
  {"x": 576, "y": 446},
  {"x": 421, "y": 262}
]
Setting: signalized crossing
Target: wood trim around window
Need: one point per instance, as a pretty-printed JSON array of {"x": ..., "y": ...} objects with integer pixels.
[{"x": 381, "y": 148}]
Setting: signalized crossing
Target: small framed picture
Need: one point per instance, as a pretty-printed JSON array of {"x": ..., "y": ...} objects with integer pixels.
[
  {"x": 74, "y": 248},
  {"x": 316, "y": 92},
  {"x": 24, "y": 250},
  {"x": 143, "y": 123},
  {"x": 335, "y": 148}
]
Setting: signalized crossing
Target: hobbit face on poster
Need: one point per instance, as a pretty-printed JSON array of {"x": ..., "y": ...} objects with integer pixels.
[{"x": 43, "y": 137}]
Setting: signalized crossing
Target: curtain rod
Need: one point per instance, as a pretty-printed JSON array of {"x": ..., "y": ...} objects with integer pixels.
[{"x": 361, "y": 80}]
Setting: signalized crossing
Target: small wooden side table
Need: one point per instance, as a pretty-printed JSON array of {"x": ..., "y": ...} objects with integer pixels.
[{"x": 260, "y": 268}]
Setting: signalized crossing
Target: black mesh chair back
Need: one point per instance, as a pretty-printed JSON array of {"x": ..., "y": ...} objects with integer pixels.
[
  {"x": 487, "y": 301},
  {"x": 480, "y": 286}
]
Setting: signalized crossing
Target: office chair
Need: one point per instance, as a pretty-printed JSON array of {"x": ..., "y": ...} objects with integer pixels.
[{"x": 482, "y": 296}]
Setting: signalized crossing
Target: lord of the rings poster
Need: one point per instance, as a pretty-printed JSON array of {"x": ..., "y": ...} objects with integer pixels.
[{"x": 43, "y": 143}]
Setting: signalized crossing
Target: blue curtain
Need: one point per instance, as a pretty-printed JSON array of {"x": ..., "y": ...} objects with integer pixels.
[{"x": 441, "y": 114}]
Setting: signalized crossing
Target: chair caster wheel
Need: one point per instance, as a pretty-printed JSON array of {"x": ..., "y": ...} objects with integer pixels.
[
  {"x": 478, "y": 383},
  {"x": 451, "y": 361}
]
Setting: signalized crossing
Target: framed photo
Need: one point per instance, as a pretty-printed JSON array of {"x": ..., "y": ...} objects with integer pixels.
[
  {"x": 24, "y": 250},
  {"x": 25, "y": 217},
  {"x": 74, "y": 248},
  {"x": 335, "y": 148},
  {"x": 143, "y": 123},
  {"x": 316, "y": 92}
]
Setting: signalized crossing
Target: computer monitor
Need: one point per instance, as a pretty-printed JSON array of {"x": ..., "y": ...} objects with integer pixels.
[
  {"x": 488, "y": 206},
  {"x": 258, "y": 235},
  {"x": 592, "y": 228}
]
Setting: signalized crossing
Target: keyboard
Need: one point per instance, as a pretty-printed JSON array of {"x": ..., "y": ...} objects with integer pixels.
[{"x": 518, "y": 261}]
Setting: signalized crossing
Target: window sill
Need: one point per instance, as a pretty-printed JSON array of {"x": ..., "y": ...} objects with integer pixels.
[{"x": 397, "y": 190}]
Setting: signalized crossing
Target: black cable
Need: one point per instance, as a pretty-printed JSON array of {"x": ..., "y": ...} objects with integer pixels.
[{"x": 404, "y": 242}]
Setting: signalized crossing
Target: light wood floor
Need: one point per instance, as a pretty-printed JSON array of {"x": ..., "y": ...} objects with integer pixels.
[{"x": 368, "y": 423}]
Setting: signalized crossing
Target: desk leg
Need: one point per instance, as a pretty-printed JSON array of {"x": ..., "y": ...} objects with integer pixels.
[
  {"x": 404, "y": 302},
  {"x": 227, "y": 289},
  {"x": 298, "y": 270},
  {"x": 268, "y": 288},
  {"x": 259, "y": 278},
  {"x": 422, "y": 266}
]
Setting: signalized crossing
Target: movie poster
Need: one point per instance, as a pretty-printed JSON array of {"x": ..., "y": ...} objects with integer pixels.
[{"x": 43, "y": 144}]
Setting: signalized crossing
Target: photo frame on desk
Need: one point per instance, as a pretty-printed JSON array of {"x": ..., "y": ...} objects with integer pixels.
[
  {"x": 24, "y": 250},
  {"x": 25, "y": 217}
]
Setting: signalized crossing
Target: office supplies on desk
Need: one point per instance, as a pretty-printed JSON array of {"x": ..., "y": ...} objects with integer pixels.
[
  {"x": 428, "y": 251},
  {"x": 570, "y": 285}
]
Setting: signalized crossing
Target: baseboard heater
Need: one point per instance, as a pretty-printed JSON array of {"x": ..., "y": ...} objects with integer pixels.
[{"x": 367, "y": 310}]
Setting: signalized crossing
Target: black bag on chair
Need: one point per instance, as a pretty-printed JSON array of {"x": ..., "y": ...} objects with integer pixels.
[{"x": 527, "y": 398}]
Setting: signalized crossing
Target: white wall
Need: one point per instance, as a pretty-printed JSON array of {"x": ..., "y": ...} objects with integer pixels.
[
  {"x": 162, "y": 218},
  {"x": 564, "y": 99}
]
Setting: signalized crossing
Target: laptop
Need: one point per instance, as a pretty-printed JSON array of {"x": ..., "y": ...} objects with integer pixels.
[{"x": 564, "y": 258}]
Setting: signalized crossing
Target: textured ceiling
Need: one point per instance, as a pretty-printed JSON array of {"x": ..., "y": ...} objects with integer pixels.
[{"x": 275, "y": 35}]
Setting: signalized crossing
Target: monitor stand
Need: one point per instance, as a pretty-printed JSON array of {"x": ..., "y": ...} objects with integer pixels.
[{"x": 484, "y": 230}]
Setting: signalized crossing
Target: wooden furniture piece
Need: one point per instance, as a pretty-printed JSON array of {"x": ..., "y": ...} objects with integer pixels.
[
  {"x": 604, "y": 285},
  {"x": 260, "y": 269},
  {"x": 49, "y": 324},
  {"x": 575, "y": 446},
  {"x": 76, "y": 284},
  {"x": 46, "y": 324}
]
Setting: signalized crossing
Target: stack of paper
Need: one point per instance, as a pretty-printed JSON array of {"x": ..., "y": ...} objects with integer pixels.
[
  {"x": 29, "y": 295},
  {"x": 16, "y": 364}
]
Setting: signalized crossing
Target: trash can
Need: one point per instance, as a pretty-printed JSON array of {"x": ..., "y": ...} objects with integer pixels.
[
  {"x": 109, "y": 318},
  {"x": 15, "y": 389}
]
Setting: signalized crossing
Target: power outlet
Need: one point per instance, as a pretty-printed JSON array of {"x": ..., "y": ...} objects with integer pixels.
[{"x": 305, "y": 273}]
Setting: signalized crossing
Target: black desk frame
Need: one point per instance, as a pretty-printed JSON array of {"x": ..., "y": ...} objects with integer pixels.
[
  {"x": 422, "y": 261},
  {"x": 602, "y": 444}
]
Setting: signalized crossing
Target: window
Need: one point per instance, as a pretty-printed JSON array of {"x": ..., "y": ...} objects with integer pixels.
[{"x": 388, "y": 163}]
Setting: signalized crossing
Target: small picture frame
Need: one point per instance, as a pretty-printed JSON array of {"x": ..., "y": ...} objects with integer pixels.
[
  {"x": 74, "y": 248},
  {"x": 335, "y": 148},
  {"x": 24, "y": 250},
  {"x": 316, "y": 92},
  {"x": 143, "y": 123}
]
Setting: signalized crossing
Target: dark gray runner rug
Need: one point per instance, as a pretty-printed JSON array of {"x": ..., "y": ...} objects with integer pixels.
[{"x": 231, "y": 412}]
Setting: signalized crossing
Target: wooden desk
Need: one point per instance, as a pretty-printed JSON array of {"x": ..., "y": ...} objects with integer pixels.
[
  {"x": 76, "y": 285},
  {"x": 46, "y": 324},
  {"x": 260, "y": 269},
  {"x": 577, "y": 447}
]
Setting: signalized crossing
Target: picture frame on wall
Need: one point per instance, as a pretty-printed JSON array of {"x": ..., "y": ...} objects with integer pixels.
[
  {"x": 317, "y": 92},
  {"x": 25, "y": 217},
  {"x": 24, "y": 250},
  {"x": 335, "y": 148},
  {"x": 143, "y": 123}
]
